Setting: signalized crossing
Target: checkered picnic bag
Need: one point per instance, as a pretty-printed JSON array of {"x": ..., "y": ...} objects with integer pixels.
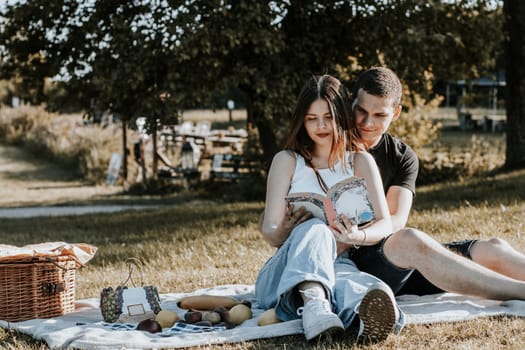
[{"x": 125, "y": 304}]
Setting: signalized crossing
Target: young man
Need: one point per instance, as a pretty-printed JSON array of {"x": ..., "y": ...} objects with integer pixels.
[{"x": 498, "y": 271}]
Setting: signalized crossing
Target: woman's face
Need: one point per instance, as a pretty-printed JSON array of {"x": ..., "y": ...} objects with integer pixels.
[{"x": 318, "y": 123}]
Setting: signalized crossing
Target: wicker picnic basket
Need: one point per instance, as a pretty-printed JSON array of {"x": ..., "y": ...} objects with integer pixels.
[{"x": 36, "y": 287}]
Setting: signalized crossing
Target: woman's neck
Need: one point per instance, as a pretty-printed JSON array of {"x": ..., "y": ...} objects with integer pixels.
[{"x": 320, "y": 157}]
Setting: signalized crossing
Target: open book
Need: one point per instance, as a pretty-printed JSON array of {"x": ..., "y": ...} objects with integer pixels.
[{"x": 348, "y": 197}]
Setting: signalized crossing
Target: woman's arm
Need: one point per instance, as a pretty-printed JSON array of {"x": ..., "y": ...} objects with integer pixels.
[
  {"x": 365, "y": 167},
  {"x": 277, "y": 221}
]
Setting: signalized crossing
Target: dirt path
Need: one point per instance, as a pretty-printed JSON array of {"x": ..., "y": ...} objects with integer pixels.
[{"x": 26, "y": 180}]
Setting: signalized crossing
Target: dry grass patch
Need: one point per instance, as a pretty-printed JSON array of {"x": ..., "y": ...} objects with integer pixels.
[{"x": 62, "y": 138}]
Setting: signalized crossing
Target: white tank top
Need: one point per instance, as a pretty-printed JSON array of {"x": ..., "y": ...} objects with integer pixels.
[{"x": 304, "y": 179}]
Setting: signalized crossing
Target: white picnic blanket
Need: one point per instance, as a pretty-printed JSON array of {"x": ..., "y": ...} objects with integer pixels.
[{"x": 85, "y": 329}]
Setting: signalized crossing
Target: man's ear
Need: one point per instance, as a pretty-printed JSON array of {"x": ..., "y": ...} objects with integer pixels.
[{"x": 397, "y": 112}]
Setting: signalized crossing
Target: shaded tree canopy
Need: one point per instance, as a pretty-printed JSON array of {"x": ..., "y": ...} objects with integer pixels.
[{"x": 123, "y": 55}]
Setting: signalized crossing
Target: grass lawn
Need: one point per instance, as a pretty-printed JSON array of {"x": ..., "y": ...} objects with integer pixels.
[{"x": 191, "y": 244}]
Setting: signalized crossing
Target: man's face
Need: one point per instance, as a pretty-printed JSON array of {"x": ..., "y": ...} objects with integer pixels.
[{"x": 373, "y": 116}]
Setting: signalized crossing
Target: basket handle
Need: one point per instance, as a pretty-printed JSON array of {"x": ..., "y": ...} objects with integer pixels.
[
  {"x": 54, "y": 262},
  {"x": 131, "y": 264}
]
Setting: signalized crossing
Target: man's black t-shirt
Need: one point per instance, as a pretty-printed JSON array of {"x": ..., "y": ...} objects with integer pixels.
[
  {"x": 398, "y": 166},
  {"x": 397, "y": 163}
]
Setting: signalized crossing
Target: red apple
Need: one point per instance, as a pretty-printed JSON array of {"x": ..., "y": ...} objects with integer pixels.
[{"x": 149, "y": 325}]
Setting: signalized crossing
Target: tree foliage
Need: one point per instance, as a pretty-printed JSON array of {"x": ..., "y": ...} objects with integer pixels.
[{"x": 123, "y": 55}]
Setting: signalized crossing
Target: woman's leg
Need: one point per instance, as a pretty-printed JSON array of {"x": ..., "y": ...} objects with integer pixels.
[
  {"x": 307, "y": 255},
  {"x": 357, "y": 292},
  {"x": 302, "y": 273}
]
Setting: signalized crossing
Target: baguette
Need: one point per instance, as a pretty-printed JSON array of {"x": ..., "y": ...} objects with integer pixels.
[{"x": 206, "y": 302}]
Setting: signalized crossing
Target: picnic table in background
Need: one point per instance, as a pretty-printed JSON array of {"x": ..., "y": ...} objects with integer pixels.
[{"x": 219, "y": 149}]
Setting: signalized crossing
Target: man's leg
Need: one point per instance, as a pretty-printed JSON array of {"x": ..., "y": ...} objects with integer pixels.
[
  {"x": 372, "y": 260},
  {"x": 410, "y": 248},
  {"x": 417, "y": 283},
  {"x": 498, "y": 255},
  {"x": 495, "y": 254}
]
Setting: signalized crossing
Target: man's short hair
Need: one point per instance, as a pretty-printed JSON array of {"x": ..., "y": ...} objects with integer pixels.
[{"x": 381, "y": 82}]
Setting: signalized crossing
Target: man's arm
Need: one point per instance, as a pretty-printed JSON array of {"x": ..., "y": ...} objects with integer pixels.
[
  {"x": 399, "y": 200},
  {"x": 400, "y": 167}
]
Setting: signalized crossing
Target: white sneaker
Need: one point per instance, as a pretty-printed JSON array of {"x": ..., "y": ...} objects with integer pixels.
[
  {"x": 378, "y": 314},
  {"x": 318, "y": 317}
]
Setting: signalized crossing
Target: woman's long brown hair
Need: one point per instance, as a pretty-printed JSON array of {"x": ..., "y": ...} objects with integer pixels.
[{"x": 331, "y": 90}]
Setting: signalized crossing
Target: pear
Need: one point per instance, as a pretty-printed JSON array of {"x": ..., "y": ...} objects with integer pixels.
[
  {"x": 268, "y": 317},
  {"x": 239, "y": 313},
  {"x": 166, "y": 318}
]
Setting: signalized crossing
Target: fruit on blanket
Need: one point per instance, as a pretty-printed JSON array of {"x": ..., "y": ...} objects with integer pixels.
[
  {"x": 206, "y": 302},
  {"x": 225, "y": 317},
  {"x": 268, "y": 317},
  {"x": 212, "y": 316},
  {"x": 239, "y": 313},
  {"x": 149, "y": 325},
  {"x": 223, "y": 312},
  {"x": 193, "y": 316},
  {"x": 166, "y": 318}
]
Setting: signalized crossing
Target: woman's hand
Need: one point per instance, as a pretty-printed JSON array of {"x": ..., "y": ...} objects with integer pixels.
[
  {"x": 292, "y": 219},
  {"x": 347, "y": 233},
  {"x": 289, "y": 221}
]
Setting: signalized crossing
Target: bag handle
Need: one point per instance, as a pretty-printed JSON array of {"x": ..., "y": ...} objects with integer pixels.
[{"x": 131, "y": 264}]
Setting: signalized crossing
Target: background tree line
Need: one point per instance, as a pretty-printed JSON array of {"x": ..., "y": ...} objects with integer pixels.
[{"x": 122, "y": 56}]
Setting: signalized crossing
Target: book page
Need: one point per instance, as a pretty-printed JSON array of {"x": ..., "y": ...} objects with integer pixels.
[
  {"x": 350, "y": 198},
  {"x": 312, "y": 202}
]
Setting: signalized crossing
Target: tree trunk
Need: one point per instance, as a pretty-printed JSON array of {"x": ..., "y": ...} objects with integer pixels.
[
  {"x": 267, "y": 137},
  {"x": 155, "y": 157},
  {"x": 124, "y": 151},
  {"x": 514, "y": 11}
]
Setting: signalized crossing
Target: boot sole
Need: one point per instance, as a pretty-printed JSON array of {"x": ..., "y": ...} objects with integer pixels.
[{"x": 378, "y": 314}]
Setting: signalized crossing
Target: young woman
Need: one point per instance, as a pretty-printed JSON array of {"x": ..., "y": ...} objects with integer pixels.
[{"x": 310, "y": 275}]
